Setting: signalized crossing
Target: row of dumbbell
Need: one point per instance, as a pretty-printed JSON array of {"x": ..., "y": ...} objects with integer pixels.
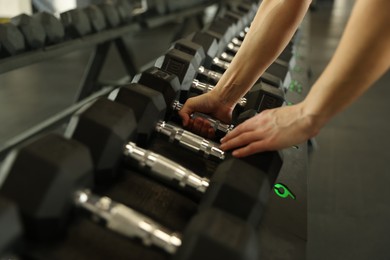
[
  {"x": 26, "y": 32},
  {"x": 138, "y": 151}
]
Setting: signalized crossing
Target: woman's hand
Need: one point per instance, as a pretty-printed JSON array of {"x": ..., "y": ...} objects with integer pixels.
[
  {"x": 209, "y": 104},
  {"x": 273, "y": 129}
]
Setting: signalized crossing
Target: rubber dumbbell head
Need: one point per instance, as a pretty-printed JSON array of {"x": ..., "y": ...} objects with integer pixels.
[
  {"x": 40, "y": 179},
  {"x": 110, "y": 13},
  {"x": 113, "y": 126},
  {"x": 76, "y": 23},
  {"x": 32, "y": 29},
  {"x": 11, "y": 39},
  {"x": 96, "y": 18},
  {"x": 124, "y": 10},
  {"x": 148, "y": 105},
  {"x": 53, "y": 27},
  {"x": 166, "y": 83}
]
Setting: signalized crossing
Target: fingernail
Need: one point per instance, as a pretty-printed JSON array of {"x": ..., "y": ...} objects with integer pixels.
[
  {"x": 222, "y": 139},
  {"x": 222, "y": 146},
  {"x": 235, "y": 153}
]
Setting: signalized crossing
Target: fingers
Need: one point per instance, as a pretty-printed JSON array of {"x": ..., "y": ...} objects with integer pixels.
[
  {"x": 238, "y": 130},
  {"x": 240, "y": 140},
  {"x": 250, "y": 149},
  {"x": 202, "y": 127},
  {"x": 185, "y": 113}
]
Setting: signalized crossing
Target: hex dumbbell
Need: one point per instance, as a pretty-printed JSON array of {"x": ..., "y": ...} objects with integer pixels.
[
  {"x": 53, "y": 27},
  {"x": 32, "y": 29},
  {"x": 11, "y": 39},
  {"x": 259, "y": 98}
]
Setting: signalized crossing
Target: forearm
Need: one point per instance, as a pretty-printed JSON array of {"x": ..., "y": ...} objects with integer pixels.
[
  {"x": 362, "y": 56},
  {"x": 272, "y": 28}
]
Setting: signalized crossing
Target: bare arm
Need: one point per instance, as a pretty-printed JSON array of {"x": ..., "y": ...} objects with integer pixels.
[
  {"x": 272, "y": 28},
  {"x": 362, "y": 56},
  {"x": 274, "y": 25}
]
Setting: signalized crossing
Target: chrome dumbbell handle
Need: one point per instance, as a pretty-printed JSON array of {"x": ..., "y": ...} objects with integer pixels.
[
  {"x": 190, "y": 140},
  {"x": 128, "y": 222},
  {"x": 164, "y": 168}
]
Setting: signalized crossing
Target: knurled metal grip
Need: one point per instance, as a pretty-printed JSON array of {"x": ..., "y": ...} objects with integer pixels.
[
  {"x": 164, "y": 168},
  {"x": 190, "y": 140},
  {"x": 128, "y": 222},
  {"x": 215, "y": 124}
]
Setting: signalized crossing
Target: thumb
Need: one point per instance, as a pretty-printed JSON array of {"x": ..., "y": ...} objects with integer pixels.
[{"x": 185, "y": 113}]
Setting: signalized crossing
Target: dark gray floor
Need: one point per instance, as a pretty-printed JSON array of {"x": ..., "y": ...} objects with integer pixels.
[
  {"x": 348, "y": 210},
  {"x": 348, "y": 195}
]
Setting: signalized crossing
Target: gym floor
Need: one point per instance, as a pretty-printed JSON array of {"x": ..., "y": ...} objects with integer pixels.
[{"x": 349, "y": 172}]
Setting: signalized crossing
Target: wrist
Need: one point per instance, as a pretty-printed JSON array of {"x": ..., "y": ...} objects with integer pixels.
[
  {"x": 220, "y": 99},
  {"x": 225, "y": 96},
  {"x": 314, "y": 119}
]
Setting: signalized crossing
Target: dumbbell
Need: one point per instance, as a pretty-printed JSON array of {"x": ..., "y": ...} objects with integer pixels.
[
  {"x": 55, "y": 175},
  {"x": 242, "y": 19},
  {"x": 125, "y": 10},
  {"x": 249, "y": 204},
  {"x": 96, "y": 18},
  {"x": 53, "y": 27},
  {"x": 224, "y": 31},
  {"x": 169, "y": 85},
  {"x": 110, "y": 13},
  {"x": 260, "y": 97},
  {"x": 93, "y": 18},
  {"x": 11, "y": 229},
  {"x": 232, "y": 26},
  {"x": 11, "y": 40},
  {"x": 32, "y": 29},
  {"x": 76, "y": 23}
]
